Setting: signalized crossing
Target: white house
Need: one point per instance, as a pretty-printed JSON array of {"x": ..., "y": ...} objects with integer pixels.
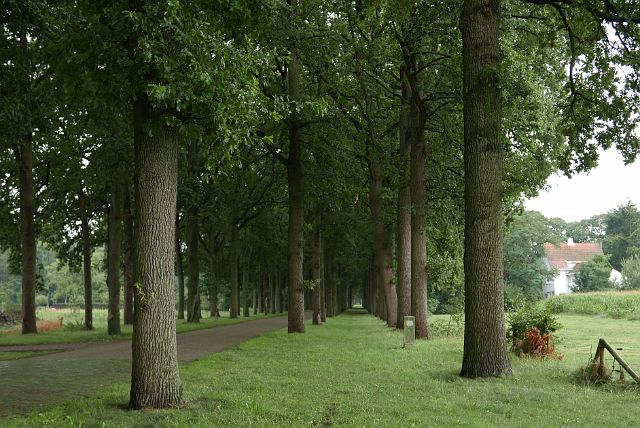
[{"x": 566, "y": 259}]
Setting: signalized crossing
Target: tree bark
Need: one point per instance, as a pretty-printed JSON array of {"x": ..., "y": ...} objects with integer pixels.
[
  {"x": 128, "y": 265},
  {"x": 155, "y": 379},
  {"x": 179, "y": 273},
  {"x": 113, "y": 258},
  {"x": 296, "y": 210},
  {"x": 233, "y": 272},
  {"x": 382, "y": 243},
  {"x": 418, "y": 237},
  {"x": 485, "y": 350},
  {"x": 85, "y": 235},
  {"x": 403, "y": 237},
  {"x": 27, "y": 234}
]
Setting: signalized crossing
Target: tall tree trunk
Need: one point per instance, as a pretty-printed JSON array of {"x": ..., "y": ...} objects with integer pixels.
[
  {"x": 113, "y": 258},
  {"x": 180, "y": 274},
  {"x": 296, "y": 211},
  {"x": 418, "y": 238},
  {"x": 485, "y": 349},
  {"x": 382, "y": 243},
  {"x": 27, "y": 234},
  {"x": 233, "y": 271},
  {"x": 128, "y": 265},
  {"x": 85, "y": 234},
  {"x": 317, "y": 273},
  {"x": 414, "y": 135},
  {"x": 155, "y": 379},
  {"x": 403, "y": 238}
]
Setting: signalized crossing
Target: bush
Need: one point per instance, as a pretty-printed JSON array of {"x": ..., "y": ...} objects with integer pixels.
[
  {"x": 534, "y": 344},
  {"x": 453, "y": 327},
  {"x": 631, "y": 273},
  {"x": 514, "y": 297},
  {"x": 527, "y": 319},
  {"x": 433, "y": 306},
  {"x": 594, "y": 275},
  {"x": 14, "y": 310},
  {"x": 41, "y": 300}
]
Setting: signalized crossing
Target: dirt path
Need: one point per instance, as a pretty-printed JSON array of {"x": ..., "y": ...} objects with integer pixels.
[{"x": 82, "y": 369}]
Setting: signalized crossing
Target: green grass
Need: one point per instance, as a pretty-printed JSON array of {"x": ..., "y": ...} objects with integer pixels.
[
  {"x": 611, "y": 304},
  {"x": 353, "y": 372},
  {"x": 74, "y": 332},
  {"x": 15, "y": 355}
]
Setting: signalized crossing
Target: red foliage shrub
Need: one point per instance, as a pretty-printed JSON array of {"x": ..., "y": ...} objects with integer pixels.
[{"x": 533, "y": 344}]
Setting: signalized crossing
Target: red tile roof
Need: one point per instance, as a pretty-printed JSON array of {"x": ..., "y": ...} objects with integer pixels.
[{"x": 558, "y": 256}]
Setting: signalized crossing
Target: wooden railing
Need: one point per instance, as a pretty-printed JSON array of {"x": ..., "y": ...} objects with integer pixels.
[{"x": 599, "y": 358}]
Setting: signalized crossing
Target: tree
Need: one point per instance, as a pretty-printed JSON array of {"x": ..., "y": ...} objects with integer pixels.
[
  {"x": 593, "y": 275},
  {"x": 622, "y": 239},
  {"x": 24, "y": 113},
  {"x": 485, "y": 349}
]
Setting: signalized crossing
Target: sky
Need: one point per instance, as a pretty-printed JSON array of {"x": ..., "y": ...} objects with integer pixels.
[{"x": 586, "y": 194}]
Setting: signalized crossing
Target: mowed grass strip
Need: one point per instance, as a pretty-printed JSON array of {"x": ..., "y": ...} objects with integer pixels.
[
  {"x": 10, "y": 356},
  {"x": 74, "y": 332},
  {"x": 353, "y": 372}
]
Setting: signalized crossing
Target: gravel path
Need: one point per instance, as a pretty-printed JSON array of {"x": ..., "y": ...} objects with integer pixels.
[{"x": 81, "y": 369}]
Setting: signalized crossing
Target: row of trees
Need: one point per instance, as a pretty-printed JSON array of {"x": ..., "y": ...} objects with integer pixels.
[{"x": 208, "y": 127}]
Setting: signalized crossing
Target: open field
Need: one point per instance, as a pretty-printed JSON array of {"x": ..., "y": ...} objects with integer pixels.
[
  {"x": 74, "y": 332},
  {"x": 611, "y": 304},
  {"x": 353, "y": 372}
]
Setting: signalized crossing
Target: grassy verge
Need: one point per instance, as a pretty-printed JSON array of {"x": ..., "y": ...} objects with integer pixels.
[
  {"x": 611, "y": 304},
  {"x": 73, "y": 331},
  {"x": 353, "y": 372},
  {"x": 10, "y": 356}
]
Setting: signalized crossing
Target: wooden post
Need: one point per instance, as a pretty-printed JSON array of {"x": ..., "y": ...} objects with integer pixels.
[{"x": 599, "y": 358}]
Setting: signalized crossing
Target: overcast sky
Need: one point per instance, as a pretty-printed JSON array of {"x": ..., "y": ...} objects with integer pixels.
[{"x": 586, "y": 194}]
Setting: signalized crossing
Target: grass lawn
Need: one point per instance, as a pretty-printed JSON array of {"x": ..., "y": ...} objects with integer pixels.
[
  {"x": 9, "y": 356},
  {"x": 74, "y": 332},
  {"x": 353, "y": 372}
]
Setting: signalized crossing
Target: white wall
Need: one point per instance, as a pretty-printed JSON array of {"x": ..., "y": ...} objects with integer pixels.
[{"x": 561, "y": 283}]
